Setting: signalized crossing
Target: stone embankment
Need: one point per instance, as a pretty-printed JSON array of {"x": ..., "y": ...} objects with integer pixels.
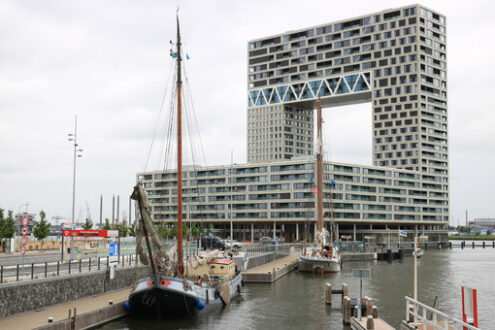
[{"x": 20, "y": 297}]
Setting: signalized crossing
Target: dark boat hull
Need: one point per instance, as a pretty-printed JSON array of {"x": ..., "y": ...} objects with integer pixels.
[
  {"x": 158, "y": 302},
  {"x": 167, "y": 297}
]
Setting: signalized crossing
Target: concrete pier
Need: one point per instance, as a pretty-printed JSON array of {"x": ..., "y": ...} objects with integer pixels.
[
  {"x": 91, "y": 311},
  {"x": 271, "y": 271}
]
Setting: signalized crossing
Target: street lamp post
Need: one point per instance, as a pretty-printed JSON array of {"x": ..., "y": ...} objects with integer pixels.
[{"x": 77, "y": 153}]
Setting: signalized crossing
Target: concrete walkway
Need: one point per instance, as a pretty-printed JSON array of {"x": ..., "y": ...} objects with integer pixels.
[
  {"x": 271, "y": 271},
  {"x": 35, "y": 319}
]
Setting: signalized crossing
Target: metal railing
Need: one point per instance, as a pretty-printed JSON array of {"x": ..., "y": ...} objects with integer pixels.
[
  {"x": 359, "y": 247},
  {"x": 258, "y": 249},
  {"x": 18, "y": 272},
  {"x": 283, "y": 248},
  {"x": 418, "y": 313}
]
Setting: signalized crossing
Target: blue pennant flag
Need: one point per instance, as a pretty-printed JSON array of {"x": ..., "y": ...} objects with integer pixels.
[
  {"x": 332, "y": 182},
  {"x": 187, "y": 56},
  {"x": 310, "y": 179},
  {"x": 173, "y": 54}
]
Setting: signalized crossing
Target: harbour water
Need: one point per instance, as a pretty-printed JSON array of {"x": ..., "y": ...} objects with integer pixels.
[{"x": 297, "y": 300}]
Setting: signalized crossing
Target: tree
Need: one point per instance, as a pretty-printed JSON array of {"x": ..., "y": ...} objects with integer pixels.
[
  {"x": 7, "y": 226},
  {"x": 210, "y": 229},
  {"x": 173, "y": 231},
  {"x": 185, "y": 230},
  {"x": 163, "y": 230},
  {"x": 196, "y": 230},
  {"x": 107, "y": 225},
  {"x": 132, "y": 229},
  {"x": 87, "y": 224},
  {"x": 122, "y": 228},
  {"x": 1, "y": 214},
  {"x": 41, "y": 229}
]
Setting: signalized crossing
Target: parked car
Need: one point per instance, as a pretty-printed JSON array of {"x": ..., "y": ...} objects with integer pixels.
[
  {"x": 233, "y": 244},
  {"x": 211, "y": 243},
  {"x": 266, "y": 240}
]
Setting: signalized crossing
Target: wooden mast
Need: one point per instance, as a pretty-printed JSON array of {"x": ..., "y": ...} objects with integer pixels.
[
  {"x": 179, "y": 155},
  {"x": 319, "y": 168}
]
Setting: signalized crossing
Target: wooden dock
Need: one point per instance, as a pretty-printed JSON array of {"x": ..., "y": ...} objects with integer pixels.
[
  {"x": 271, "y": 271},
  {"x": 378, "y": 324}
]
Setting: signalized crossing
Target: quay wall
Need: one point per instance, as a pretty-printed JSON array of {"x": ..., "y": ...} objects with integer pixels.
[
  {"x": 20, "y": 297},
  {"x": 88, "y": 320}
]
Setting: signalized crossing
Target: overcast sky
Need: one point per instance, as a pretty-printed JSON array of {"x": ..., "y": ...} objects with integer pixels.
[{"x": 108, "y": 61}]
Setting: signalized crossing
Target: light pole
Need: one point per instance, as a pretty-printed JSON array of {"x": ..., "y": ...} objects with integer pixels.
[{"x": 77, "y": 153}]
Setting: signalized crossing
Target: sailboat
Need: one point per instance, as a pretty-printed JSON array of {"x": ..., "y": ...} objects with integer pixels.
[
  {"x": 177, "y": 286},
  {"x": 324, "y": 255}
]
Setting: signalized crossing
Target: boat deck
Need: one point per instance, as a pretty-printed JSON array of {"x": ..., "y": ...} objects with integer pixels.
[{"x": 271, "y": 271}]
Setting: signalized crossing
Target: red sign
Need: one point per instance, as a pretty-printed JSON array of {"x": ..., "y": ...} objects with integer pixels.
[
  {"x": 91, "y": 233},
  {"x": 24, "y": 238}
]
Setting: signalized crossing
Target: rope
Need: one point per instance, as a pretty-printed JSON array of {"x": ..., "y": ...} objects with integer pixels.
[{"x": 158, "y": 117}]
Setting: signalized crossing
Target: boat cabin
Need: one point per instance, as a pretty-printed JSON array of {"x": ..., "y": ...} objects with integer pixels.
[{"x": 217, "y": 268}]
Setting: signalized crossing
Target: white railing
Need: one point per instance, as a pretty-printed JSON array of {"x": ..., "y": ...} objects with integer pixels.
[{"x": 417, "y": 313}]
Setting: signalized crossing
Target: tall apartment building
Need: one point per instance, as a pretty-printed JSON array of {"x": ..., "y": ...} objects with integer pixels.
[{"x": 395, "y": 59}]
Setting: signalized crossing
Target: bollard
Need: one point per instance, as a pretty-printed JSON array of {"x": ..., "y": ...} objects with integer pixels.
[
  {"x": 493, "y": 244},
  {"x": 483, "y": 244},
  {"x": 58, "y": 268},
  {"x": 328, "y": 293},
  {"x": 389, "y": 256},
  {"x": 401, "y": 254},
  {"x": 80, "y": 265},
  {"x": 98, "y": 263},
  {"x": 356, "y": 311},
  {"x": 462, "y": 245},
  {"x": 369, "y": 306},
  {"x": 426, "y": 246},
  {"x": 370, "y": 323},
  {"x": 273, "y": 274},
  {"x": 450, "y": 245},
  {"x": 73, "y": 325},
  {"x": 50, "y": 319},
  {"x": 347, "y": 310},
  {"x": 1, "y": 274},
  {"x": 32, "y": 271},
  {"x": 46, "y": 269},
  {"x": 473, "y": 245},
  {"x": 345, "y": 292},
  {"x": 374, "y": 311},
  {"x": 108, "y": 262},
  {"x": 69, "y": 265},
  {"x": 89, "y": 266}
]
